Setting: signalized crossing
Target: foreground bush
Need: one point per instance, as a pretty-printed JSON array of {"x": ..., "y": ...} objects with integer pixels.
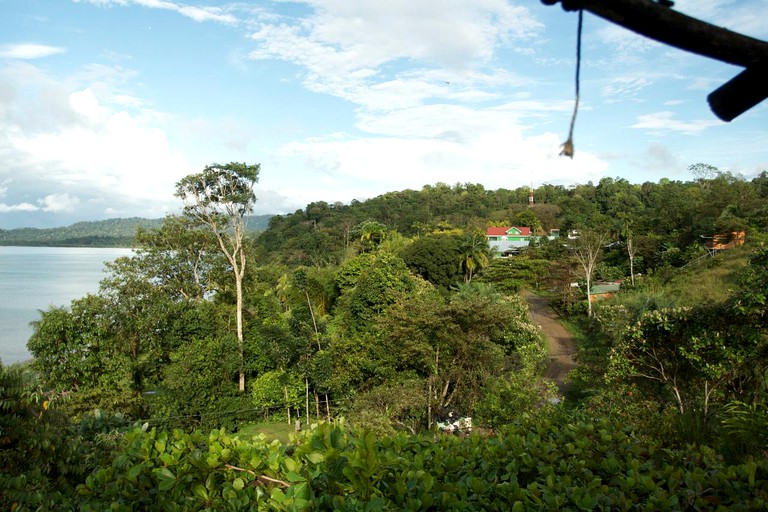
[{"x": 535, "y": 465}]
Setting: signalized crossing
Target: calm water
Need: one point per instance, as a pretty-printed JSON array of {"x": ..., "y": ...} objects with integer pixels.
[{"x": 35, "y": 278}]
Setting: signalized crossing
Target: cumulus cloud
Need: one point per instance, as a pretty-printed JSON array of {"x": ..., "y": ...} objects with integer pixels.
[
  {"x": 70, "y": 149},
  {"x": 663, "y": 122},
  {"x": 456, "y": 145},
  {"x": 345, "y": 46},
  {"x": 20, "y": 207},
  {"x": 58, "y": 203},
  {"x": 447, "y": 116},
  {"x": 28, "y": 51}
]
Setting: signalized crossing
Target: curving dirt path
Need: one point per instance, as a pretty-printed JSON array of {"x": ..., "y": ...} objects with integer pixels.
[{"x": 562, "y": 348}]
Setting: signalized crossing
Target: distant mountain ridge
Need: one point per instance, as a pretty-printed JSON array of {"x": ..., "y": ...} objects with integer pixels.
[{"x": 102, "y": 233}]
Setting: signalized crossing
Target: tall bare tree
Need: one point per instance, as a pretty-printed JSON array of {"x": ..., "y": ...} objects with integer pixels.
[
  {"x": 587, "y": 249},
  {"x": 631, "y": 252},
  {"x": 221, "y": 197}
]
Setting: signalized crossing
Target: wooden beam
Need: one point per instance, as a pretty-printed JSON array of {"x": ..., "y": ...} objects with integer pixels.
[
  {"x": 661, "y": 23},
  {"x": 665, "y": 25},
  {"x": 740, "y": 94}
]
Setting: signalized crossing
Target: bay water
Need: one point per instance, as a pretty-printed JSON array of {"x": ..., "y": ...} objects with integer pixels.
[{"x": 34, "y": 278}]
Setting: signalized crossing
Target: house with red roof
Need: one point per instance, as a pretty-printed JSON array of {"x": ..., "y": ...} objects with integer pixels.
[{"x": 506, "y": 240}]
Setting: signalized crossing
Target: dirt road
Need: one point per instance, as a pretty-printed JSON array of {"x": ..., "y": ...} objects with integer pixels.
[{"x": 562, "y": 348}]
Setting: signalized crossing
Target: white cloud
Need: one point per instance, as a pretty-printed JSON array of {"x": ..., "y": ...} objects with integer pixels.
[
  {"x": 623, "y": 88},
  {"x": 58, "y": 203},
  {"x": 441, "y": 144},
  {"x": 199, "y": 14},
  {"x": 345, "y": 46},
  {"x": 663, "y": 122},
  {"x": 112, "y": 149},
  {"x": 433, "y": 105},
  {"x": 28, "y": 51},
  {"x": 70, "y": 147},
  {"x": 626, "y": 46},
  {"x": 86, "y": 104},
  {"x": 20, "y": 207}
]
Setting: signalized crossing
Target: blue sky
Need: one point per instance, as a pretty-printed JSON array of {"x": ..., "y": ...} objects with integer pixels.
[{"x": 105, "y": 104}]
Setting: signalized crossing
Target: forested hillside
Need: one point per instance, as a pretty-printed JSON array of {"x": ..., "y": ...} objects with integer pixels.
[
  {"x": 377, "y": 324},
  {"x": 667, "y": 218},
  {"x": 102, "y": 233}
]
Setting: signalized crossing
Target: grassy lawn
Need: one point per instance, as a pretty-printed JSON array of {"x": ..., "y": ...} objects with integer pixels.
[
  {"x": 711, "y": 279},
  {"x": 273, "y": 430}
]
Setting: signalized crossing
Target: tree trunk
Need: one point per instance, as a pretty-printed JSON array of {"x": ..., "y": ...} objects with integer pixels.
[
  {"x": 240, "y": 342},
  {"x": 631, "y": 252},
  {"x": 429, "y": 404},
  {"x": 288, "y": 406}
]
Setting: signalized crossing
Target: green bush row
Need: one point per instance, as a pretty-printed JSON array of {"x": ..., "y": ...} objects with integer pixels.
[{"x": 534, "y": 465}]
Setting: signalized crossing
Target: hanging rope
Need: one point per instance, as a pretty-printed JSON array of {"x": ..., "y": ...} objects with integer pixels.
[{"x": 567, "y": 147}]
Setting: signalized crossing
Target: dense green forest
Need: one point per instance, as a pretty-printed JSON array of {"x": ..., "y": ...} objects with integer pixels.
[
  {"x": 102, "y": 233},
  {"x": 374, "y": 322}
]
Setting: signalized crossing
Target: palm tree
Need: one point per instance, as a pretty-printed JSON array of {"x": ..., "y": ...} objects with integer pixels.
[
  {"x": 372, "y": 233},
  {"x": 474, "y": 255}
]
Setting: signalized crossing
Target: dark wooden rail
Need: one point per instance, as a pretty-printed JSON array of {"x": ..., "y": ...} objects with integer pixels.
[{"x": 661, "y": 23}]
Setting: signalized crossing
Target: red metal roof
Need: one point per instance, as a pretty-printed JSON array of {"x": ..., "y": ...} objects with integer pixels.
[{"x": 503, "y": 230}]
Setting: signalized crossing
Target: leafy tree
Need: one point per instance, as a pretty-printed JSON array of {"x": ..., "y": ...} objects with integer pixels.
[
  {"x": 201, "y": 370},
  {"x": 434, "y": 257},
  {"x": 511, "y": 274},
  {"x": 457, "y": 346},
  {"x": 181, "y": 258},
  {"x": 278, "y": 389},
  {"x": 221, "y": 197},
  {"x": 694, "y": 353},
  {"x": 528, "y": 218},
  {"x": 703, "y": 353},
  {"x": 141, "y": 321},
  {"x": 39, "y": 460},
  {"x": 382, "y": 280}
]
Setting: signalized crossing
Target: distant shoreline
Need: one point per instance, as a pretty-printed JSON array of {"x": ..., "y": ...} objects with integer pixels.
[
  {"x": 110, "y": 233},
  {"x": 22, "y": 243}
]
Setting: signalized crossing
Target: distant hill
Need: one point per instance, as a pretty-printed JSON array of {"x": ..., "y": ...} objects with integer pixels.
[{"x": 101, "y": 233}]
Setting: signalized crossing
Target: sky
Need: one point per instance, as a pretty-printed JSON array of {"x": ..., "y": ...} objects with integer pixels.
[{"x": 106, "y": 104}]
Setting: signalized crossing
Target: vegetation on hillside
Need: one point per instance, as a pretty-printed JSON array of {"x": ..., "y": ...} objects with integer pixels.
[
  {"x": 102, "y": 233},
  {"x": 375, "y": 320}
]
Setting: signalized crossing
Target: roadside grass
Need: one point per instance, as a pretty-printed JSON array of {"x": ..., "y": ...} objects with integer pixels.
[
  {"x": 591, "y": 349},
  {"x": 271, "y": 429}
]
